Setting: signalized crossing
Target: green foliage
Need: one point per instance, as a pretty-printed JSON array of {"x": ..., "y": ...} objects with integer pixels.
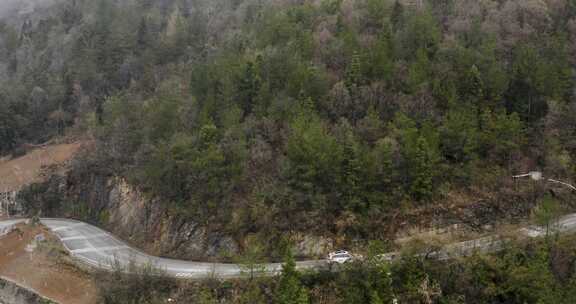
[
  {"x": 380, "y": 58},
  {"x": 501, "y": 134},
  {"x": 8, "y": 129},
  {"x": 290, "y": 290},
  {"x": 378, "y": 12},
  {"x": 206, "y": 296},
  {"x": 459, "y": 134},
  {"x": 422, "y": 162},
  {"x": 419, "y": 72},
  {"x": 334, "y": 113},
  {"x": 253, "y": 295},
  {"x": 421, "y": 33},
  {"x": 194, "y": 172},
  {"x": 547, "y": 213},
  {"x": 354, "y": 73},
  {"x": 251, "y": 261},
  {"x": 537, "y": 76},
  {"x": 397, "y": 15},
  {"x": 249, "y": 88},
  {"x": 527, "y": 272},
  {"x": 314, "y": 157},
  {"x": 420, "y": 152}
]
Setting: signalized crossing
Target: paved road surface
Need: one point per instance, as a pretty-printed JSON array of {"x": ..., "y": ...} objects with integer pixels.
[
  {"x": 5, "y": 226},
  {"x": 98, "y": 248},
  {"x": 8, "y": 223}
]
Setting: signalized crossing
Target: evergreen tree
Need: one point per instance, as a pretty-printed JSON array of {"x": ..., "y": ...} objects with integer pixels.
[
  {"x": 354, "y": 73},
  {"x": 397, "y": 16},
  {"x": 8, "y": 128},
  {"x": 382, "y": 179},
  {"x": 380, "y": 64},
  {"x": 206, "y": 296},
  {"x": 419, "y": 72},
  {"x": 352, "y": 175},
  {"x": 290, "y": 290},
  {"x": 375, "y": 298},
  {"x": 459, "y": 134},
  {"x": 422, "y": 187},
  {"x": 249, "y": 88},
  {"x": 143, "y": 37},
  {"x": 501, "y": 135},
  {"x": 422, "y": 32},
  {"x": 71, "y": 15},
  {"x": 251, "y": 260},
  {"x": 547, "y": 213},
  {"x": 476, "y": 85},
  {"x": 253, "y": 294}
]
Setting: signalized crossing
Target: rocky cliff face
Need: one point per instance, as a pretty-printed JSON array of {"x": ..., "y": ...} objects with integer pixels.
[
  {"x": 128, "y": 213},
  {"x": 146, "y": 222},
  {"x": 12, "y": 293},
  {"x": 87, "y": 193}
]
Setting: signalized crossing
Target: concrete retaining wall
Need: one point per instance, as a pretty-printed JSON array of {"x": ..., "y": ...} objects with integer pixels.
[{"x": 12, "y": 293}]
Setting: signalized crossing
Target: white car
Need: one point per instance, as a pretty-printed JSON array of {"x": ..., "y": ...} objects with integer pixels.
[{"x": 340, "y": 257}]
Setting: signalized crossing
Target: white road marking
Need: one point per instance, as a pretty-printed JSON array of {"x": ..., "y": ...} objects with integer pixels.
[
  {"x": 83, "y": 237},
  {"x": 96, "y": 249},
  {"x": 67, "y": 227}
]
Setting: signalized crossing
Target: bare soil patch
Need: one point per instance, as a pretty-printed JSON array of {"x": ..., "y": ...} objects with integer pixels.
[
  {"x": 27, "y": 169},
  {"x": 46, "y": 269}
]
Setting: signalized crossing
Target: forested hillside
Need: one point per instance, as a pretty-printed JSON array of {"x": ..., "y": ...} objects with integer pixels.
[{"x": 326, "y": 116}]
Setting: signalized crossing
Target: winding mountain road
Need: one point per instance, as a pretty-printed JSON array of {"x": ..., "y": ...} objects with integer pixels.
[{"x": 95, "y": 247}]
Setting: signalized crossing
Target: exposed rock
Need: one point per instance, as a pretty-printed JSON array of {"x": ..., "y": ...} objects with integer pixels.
[
  {"x": 312, "y": 246},
  {"x": 12, "y": 293},
  {"x": 145, "y": 222}
]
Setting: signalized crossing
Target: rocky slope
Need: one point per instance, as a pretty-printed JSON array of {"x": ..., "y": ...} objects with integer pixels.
[
  {"x": 12, "y": 293},
  {"x": 112, "y": 203}
]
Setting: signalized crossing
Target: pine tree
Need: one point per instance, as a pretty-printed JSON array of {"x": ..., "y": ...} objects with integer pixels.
[
  {"x": 249, "y": 88},
  {"x": 206, "y": 296},
  {"x": 354, "y": 73},
  {"x": 8, "y": 127},
  {"x": 381, "y": 65},
  {"x": 422, "y": 174},
  {"x": 71, "y": 15},
  {"x": 253, "y": 295},
  {"x": 375, "y": 298},
  {"x": 290, "y": 289},
  {"x": 351, "y": 166},
  {"x": 476, "y": 84},
  {"x": 397, "y": 17},
  {"x": 419, "y": 72},
  {"x": 547, "y": 213},
  {"x": 143, "y": 39}
]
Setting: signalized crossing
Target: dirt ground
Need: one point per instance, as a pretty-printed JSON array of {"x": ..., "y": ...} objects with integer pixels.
[
  {"x": 45, "y": 269},
  {"x": 26, "y": 169}
]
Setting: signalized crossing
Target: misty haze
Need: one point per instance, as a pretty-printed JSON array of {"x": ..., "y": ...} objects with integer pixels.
[{"x": 287, "y": 151}]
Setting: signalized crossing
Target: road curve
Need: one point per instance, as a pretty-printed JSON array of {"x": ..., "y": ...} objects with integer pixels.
[{"x": 98, "y": 248}]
